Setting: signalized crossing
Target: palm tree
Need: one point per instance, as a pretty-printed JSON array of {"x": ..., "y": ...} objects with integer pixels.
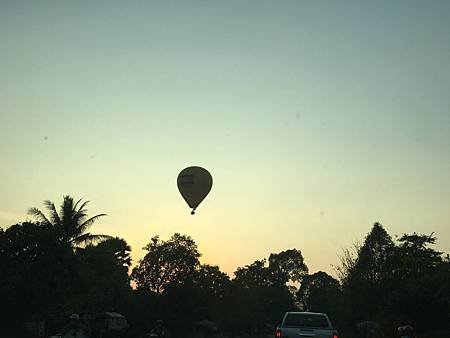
[{"x": 71, "y": 223}]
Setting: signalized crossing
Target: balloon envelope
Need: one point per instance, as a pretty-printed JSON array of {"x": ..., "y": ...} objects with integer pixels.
[{"x": 194, "y": 184}]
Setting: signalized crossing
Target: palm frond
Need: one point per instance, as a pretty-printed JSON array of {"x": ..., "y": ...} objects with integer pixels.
[
  {"x": 67, "y": 208},
  {"x": 85, "y": 225},
  {"x": 39, "y": 215},
  {"x": 81, "y": 208},
  {"x": 88, "y": 238},
  {"x": 53, "y": 213},
  {"x": 76, "y": 204},
  {"x": 80, "y": 239},
  {"x": 67, "y": 221},
  {"x": 80, "y": 214}
]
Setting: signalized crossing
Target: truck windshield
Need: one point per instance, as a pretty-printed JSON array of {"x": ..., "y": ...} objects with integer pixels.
[{"x": 306, "y": 320}]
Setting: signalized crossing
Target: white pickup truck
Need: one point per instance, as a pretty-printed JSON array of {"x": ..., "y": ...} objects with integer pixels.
[{"x": 305, "y": 325}]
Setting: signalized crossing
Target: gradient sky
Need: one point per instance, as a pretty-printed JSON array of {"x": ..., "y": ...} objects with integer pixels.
[{"x": 315, "y": 118}]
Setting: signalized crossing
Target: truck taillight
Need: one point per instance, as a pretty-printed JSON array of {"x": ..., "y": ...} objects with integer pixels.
[
  {"x": 335, "y": 335},
  {"x": 278, "y": 334}
]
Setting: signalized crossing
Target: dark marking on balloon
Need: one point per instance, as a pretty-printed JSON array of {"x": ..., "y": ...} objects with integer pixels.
[{"x": 187, "y": 179}]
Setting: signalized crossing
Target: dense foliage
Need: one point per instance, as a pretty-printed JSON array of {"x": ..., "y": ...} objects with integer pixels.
[{"x": 53, "y": 268}]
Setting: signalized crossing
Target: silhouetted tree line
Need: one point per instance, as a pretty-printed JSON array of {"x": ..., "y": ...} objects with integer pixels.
[{"x": 53, "y": 267}]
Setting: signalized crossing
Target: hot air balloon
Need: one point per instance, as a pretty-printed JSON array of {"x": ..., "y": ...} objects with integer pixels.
[{"x": 194, "y": 184}]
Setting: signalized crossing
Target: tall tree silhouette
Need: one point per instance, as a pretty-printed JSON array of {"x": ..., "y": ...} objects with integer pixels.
[
  {"x": 167, "y": 262},
  {"x": 35, "y": 275},
  {"x": 71, "y": 223},
  {"x": 365, "y": 285},
  {"x": 103, "y": 282},
  {"x": 319, "y": 292},
  {"x": 288, "y": 265}
]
